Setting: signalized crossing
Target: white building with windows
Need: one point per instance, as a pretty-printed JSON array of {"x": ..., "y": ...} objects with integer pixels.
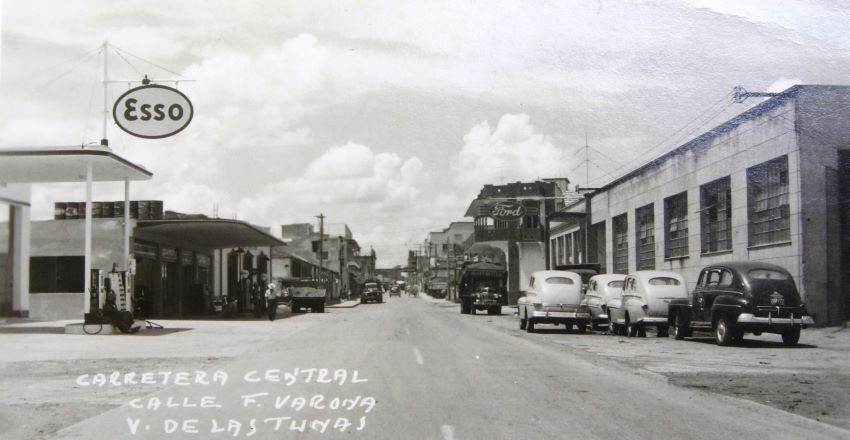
[{"x": 771, "y": 184}]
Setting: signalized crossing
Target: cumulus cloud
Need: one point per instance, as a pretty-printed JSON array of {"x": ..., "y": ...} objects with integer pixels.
[
  {"x": 513, "y": 150},
  {"x": 345, "y": 176}
]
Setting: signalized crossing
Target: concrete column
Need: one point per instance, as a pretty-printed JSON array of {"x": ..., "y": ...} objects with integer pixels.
[{"x": 20, "y": 260}]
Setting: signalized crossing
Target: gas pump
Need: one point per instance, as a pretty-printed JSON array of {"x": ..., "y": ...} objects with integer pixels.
[
  {"x": 102, "y": 283},
  {"x": 97, "y": 296},
  {"x": 120, "y": 282}
]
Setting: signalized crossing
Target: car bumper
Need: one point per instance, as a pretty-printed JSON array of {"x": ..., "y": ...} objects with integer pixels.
[
  {"x": 543, "y": 316},
  {"x": 653, "y": 320},
  {"x": 751, "y": 320}
]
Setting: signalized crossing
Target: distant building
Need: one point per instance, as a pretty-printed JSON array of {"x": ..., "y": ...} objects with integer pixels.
[
  {"x": 446, "y": 254},
  {"x": 510, "y": 220},
  {"x": 339, "y": 250}
]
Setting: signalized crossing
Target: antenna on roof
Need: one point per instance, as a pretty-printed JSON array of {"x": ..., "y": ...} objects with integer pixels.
[{"x": 740, "y": 94}]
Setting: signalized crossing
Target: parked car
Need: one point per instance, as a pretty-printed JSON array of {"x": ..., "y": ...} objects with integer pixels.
[
  {"x": 371, "y": 292},
  {"x": 643, "y": 302},
  {"x": 600, "y": 290},
  {"x": 734, "y": 298},
  {"x": 553, "y": 297}
]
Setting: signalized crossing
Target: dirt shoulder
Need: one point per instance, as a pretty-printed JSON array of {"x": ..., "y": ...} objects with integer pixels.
[{"x": 811, "y": 380}]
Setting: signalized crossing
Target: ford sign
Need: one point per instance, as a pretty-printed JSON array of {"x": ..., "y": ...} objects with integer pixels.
[
  {"x": 152, "y": 111},
  {"x": 507, "y": 210}
]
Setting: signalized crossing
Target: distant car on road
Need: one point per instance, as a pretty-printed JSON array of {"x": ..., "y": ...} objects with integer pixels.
[
  {"x": 643, "y": 302},
  {"x": 553, "y": 297},
  {"x": 371, "y": 293},
  {"x": 394, "y": 291},
  {"x": 600, "y": 290},
  {"x": 734, "y": 298}
]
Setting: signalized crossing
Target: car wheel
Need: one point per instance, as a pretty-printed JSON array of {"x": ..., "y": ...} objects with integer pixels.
[
  {"x": 522, "y": 322},
  {"x": 663, "y": 331},
  {"x": 529, "y": 325},
  {"x": 582, "y": 328},
  {"x": 612, "y": 328},
  {"x": 724, "y": 332},
  {"x": 791, "y": 336},
  {"x": 680, "y": 328},
  {"x": 497, "y": 310}
]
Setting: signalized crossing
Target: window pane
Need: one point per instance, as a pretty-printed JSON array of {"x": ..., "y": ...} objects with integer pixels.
[
  {"x": 664, "y": 281},
  {"x": 767, "y": 274},
  {"x": 559, "y": 280}
]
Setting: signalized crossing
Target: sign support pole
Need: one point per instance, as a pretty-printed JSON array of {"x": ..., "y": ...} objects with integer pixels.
[
  {"x": 126, "y": 255},
  {"x": 87, "y": 238}
]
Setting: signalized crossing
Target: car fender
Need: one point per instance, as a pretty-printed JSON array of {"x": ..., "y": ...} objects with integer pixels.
[
  {"x": 634, "y": 307},
  {"x": 720, "y": 308},
  {"x": 678, "y": 307},
  {"x": 615, "y": 311}
]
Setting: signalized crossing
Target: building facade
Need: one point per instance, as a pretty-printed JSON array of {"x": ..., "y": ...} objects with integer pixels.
[
  {"x": 512, "y": 219},
  {"x": 771, "y": 185}
]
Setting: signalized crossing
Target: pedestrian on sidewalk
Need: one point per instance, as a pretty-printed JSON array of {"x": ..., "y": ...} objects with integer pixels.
[
  {"x": 257, "y": 296},
  {"x": 272, "y": 296}
]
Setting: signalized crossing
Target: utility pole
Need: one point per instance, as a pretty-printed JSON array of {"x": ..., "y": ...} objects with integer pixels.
[{"x": 321, "y": 218}]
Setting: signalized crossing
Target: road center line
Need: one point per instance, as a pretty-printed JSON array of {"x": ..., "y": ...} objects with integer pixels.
[
  {"x": 448, "y": 432},
  {"x": 418, "y": 355}
]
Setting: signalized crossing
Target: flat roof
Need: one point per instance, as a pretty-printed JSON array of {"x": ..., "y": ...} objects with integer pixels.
[
  {"x": 205, "y": 234},
  {"x": 66, "y": 164}
]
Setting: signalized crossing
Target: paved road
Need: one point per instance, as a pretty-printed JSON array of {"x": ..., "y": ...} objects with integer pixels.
[{"x": 426, "y": 372}]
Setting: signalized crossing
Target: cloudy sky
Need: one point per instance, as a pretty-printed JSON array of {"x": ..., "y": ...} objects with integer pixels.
[{"x": 389, "y": 116}]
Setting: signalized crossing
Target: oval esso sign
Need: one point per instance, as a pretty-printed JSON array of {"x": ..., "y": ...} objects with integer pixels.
[
  {"x": 152, "y": 111},
  {"x": 508, "y": 210}
]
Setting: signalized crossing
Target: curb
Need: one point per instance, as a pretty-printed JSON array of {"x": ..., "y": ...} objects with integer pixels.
[{"x": 338, "y": 306}]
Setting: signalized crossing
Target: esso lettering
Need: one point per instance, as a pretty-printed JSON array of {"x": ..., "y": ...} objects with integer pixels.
[{"x": 145, "y": 112}]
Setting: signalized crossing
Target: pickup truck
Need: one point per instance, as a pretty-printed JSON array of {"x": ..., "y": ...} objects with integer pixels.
[{"x": 731, "y": 299}]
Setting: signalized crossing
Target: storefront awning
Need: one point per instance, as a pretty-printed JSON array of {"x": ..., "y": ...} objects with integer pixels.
[
  {"x": 67, "y": 164},
  {"x": 205, "y": 234}
]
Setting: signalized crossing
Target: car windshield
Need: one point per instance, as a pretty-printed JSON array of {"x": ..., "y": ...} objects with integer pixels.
[
  {"x": 767, "y": 274},
  {"x": 663, "y": 281},
  {"x": 559, "y": 280},
  {"x": 371, "y": 286},
  {"x": 616, "y": 284}
]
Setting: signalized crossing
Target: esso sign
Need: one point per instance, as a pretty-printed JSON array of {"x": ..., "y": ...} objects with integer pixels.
[{"x": 152, "y": 111}]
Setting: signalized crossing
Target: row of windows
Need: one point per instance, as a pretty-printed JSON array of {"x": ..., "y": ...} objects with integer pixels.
[{"x": 768, "y": 217}]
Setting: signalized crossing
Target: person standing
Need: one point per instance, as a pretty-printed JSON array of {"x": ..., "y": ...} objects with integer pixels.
[
  {"x": 258, "y": 297},
  {"x": 272, "y": 296},
  {"x": 243, "y": 291}
]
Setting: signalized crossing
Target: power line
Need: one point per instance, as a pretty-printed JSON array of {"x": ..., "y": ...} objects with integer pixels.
[
  {"x": 664, "y": 142},
  {"x": 118, "y": 49}
]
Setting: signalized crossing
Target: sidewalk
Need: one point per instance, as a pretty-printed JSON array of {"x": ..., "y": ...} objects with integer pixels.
[{"x": 345, "y": 304}]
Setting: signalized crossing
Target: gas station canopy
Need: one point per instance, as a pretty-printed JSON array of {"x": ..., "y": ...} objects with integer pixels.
[
  {"x": 206, "y": 234},
  {"x": 67, "y": 164}
]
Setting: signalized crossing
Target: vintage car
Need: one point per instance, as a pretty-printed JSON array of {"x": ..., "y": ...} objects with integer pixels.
[
  {"x": 394, "y": 291},
  {"x": 643, "y": 302},
  {"x": 371, "y": 293},
  {"x": 553, "y": 297},
  {"x": 600, "y": 290},
  {"x": 734, "y": 298},
  {"x": 487, "y": 298}
]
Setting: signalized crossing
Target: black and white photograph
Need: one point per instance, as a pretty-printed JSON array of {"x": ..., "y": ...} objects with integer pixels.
[{"x": 425, "y": 219}]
